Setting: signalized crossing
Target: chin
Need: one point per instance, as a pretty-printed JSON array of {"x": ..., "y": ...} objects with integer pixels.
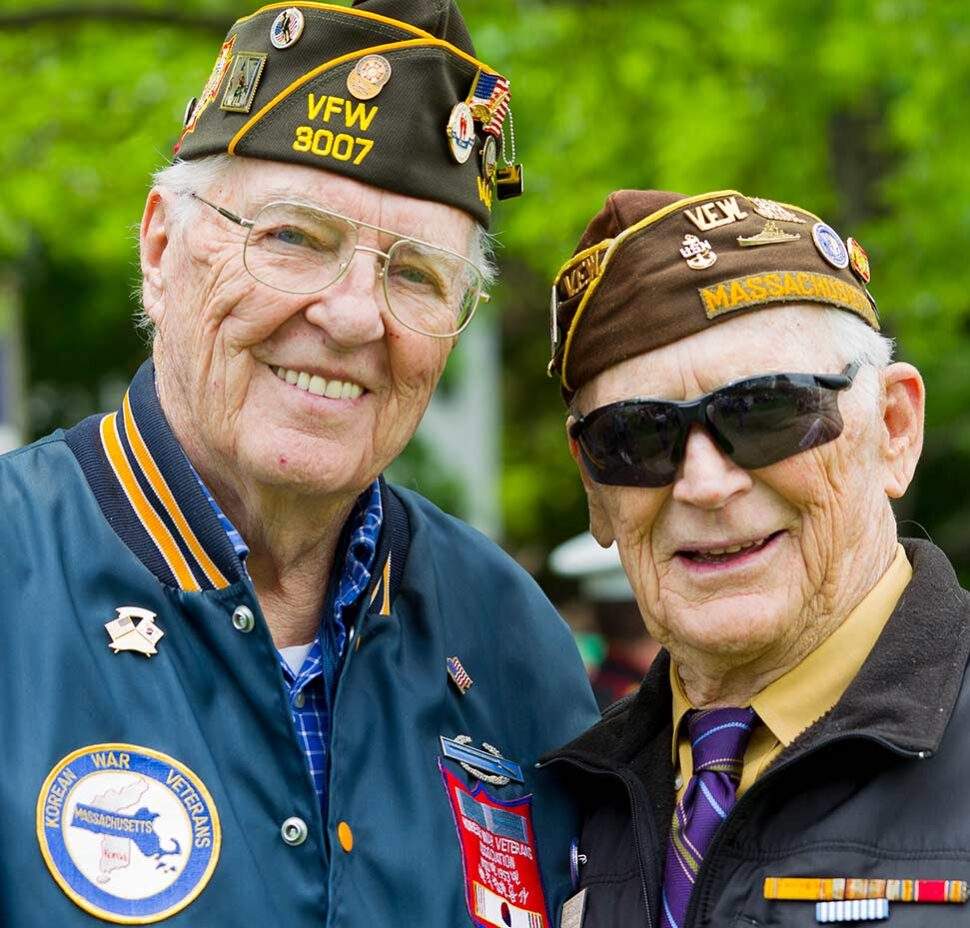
[
  {"x": 305, "y": 468},
  {"x": 732, "y": 628}
]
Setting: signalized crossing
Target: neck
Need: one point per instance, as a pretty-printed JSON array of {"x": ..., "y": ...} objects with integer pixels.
[
  {"x": 292, "y": 537},
  {"x": 716, "y": 680}
]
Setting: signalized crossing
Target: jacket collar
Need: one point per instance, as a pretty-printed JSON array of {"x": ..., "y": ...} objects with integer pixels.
[
  {"x": 150, "y": 495},
  {"x": 904, "y": 695}
]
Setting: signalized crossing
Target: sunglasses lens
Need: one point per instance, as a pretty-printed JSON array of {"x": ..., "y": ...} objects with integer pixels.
[
  {"x": 767, "y": 419},
  {"x": 632, "y": 445}
]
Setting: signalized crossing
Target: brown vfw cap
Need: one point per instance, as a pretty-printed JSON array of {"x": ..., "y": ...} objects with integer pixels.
[
  {"x": 388, "y": 92},
  {"x": 653, "y": 267}
]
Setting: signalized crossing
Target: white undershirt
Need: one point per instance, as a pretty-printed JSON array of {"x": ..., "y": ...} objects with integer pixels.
[{"x": 295, "y": 655}]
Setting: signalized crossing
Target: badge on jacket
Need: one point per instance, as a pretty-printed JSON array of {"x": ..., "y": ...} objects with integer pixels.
[
  {"x": 130, "y": 834},
  {"x": 503, "y": 886}
]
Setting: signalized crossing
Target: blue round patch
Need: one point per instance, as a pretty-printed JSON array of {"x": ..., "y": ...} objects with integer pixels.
[
  {"x": 131, "y": 835},
  {"x": 832, "y": 247}
]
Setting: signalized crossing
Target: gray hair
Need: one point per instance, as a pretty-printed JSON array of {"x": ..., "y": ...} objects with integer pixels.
[{"x": 187, "y": 177}]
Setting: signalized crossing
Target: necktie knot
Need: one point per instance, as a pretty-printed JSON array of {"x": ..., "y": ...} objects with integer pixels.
[{"x": 719, "y": 738}]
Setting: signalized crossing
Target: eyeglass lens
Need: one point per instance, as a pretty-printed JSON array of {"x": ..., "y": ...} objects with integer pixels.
[
  {"x": 755, "y": 423},
  {"x": 303, "y": 250}
]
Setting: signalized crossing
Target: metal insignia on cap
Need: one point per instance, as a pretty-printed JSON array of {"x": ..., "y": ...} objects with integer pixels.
[
  {"x": 461, "y": 132},
  {"x": 189, "y": 110},
  {"x": 771, "y": 234},
  {"x": 830, "y": 246},
  {"x": 287, "y": 28},
  {"x": 697, "y": 252},
  {"x": 489, "y": 155},
  {"x": 858, "y": 260},
  {"x": 769, "y": 209},
  {"x": 243, "y": 81},
  {"x": 369, "y": 76}
]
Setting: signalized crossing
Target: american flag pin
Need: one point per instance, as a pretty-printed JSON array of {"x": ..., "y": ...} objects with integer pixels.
[{"x": 459, "y": 676}]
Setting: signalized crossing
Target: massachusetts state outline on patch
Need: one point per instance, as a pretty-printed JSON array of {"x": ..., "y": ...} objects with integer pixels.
[{"x": 130, "y": 834}]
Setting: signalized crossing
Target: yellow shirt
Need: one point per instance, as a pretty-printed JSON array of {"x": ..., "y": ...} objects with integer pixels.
[{"x": 805, "y": 693}]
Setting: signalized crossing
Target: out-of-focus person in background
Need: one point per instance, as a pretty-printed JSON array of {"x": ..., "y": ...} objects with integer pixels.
[
  {"x": 245, "y": 682},
  {"x": 798, "y": 751},
  {"x": 627, "y": 649}
]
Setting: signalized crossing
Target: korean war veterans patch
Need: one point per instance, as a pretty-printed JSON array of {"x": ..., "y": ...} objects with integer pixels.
[
  {"x": 503, "y": 887},
  {"x": 131, "y": 835}
]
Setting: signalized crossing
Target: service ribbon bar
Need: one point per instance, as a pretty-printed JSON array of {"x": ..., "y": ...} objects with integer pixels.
[{"x": 827, "y": 889}]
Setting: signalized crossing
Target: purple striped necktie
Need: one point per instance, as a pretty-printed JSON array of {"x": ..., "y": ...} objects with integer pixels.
[{"x": 718, "y": 738}]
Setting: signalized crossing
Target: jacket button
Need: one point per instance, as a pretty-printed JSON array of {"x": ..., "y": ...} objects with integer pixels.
[
  {"x": 345, "y": 836},
  {"x": 294, "y": 831},
  {"x": 243, "y": 619}
]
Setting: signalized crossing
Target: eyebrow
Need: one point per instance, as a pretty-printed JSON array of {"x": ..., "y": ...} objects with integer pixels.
[{"x": 255, "y": 204}]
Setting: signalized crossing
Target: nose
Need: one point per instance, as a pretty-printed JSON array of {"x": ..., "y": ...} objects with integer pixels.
[
  {"x": 707, "y": 478},
  {"x": 352, "y": 311}
]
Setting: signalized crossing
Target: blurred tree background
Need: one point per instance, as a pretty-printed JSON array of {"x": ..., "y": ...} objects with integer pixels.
[{"x": 856, "y": 110}]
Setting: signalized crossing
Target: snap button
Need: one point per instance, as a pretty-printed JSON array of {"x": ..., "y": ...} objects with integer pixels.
[
  {"x": 345, "y": 836},
  {"x": 294, "y": 831},
  {"x": 678, "y": 781},
  {"x": 243, "y": 619},
  {"x": 299, "y": 700}
]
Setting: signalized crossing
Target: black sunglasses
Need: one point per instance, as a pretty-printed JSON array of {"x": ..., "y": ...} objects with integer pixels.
[{"x": 755, "y": 422}]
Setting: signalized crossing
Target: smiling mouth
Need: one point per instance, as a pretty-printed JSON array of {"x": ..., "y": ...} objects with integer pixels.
[
  {"x": 733, "y": 554},
  {"x": 317, "y": 385}
]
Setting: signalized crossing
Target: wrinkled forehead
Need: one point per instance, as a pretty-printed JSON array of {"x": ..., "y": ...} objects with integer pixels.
[
  {"x": 787, "y": 339},
  {"x": 256, "y": 183}
]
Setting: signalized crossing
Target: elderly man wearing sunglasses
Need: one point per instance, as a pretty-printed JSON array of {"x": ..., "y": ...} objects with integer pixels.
[
  {"x": 245, "y": 681},
  {"x": 741, "y": 433}
]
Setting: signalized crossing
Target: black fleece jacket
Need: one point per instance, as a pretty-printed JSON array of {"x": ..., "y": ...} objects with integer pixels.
[{"x": 879, "y": 787}]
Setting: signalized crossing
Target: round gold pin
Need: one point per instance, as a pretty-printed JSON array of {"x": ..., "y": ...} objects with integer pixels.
[{"x": 369, "y": 76}]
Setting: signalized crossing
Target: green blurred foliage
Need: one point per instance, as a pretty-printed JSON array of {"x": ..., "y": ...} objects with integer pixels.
[{"x": 856, "y": 110}]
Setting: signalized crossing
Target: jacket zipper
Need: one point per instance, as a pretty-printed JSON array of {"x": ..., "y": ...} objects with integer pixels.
[
  {"x": 759, "y": 787},
  {"x": 632, "y": 787}
]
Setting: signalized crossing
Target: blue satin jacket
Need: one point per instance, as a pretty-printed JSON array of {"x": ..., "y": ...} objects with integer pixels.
[{"x": 151, "y": 770}]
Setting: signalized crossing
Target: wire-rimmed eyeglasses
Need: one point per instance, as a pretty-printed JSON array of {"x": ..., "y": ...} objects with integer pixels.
[{"x": 297, "y": 248}]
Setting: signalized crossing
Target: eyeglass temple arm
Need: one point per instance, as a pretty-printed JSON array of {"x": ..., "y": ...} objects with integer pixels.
[
  {"x": 839, "y": 381},
  {"x": 232, "y": 217}
]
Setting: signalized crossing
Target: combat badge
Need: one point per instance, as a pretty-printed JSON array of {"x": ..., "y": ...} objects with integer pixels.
[
  {"x": 287, "y": 28},
  {"x": 503, "y": 886},
  {"x": 131, "y": 835},
  {"x": 127, "y": 635},
  {"x": 486, "y": 765},
  {"x": 697, "y": 253},
  {"x": 858, "y": 260},
  {"x": 243, "y": 81},
  {"x": 369, "y": 76},
  {"x": 461, "y": 132},
  {"x": 830, "y": 246}
]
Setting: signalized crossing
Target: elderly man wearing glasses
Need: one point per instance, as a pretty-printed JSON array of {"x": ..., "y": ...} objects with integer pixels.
[
  {"x": 741, "y": 433},
  {"x": 246, "y": 682}
]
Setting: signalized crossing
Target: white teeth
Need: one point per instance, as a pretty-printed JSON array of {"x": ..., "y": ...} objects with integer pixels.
[
  {"x": 317, "y": 385},
  {"x": 733, "y": 549}
]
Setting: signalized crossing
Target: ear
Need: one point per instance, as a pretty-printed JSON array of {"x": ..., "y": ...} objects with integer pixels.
[
  {"x": 153, "y": 240},
  {"x": 600, "y": 523},
  {"x": 902, "y": 415}
]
